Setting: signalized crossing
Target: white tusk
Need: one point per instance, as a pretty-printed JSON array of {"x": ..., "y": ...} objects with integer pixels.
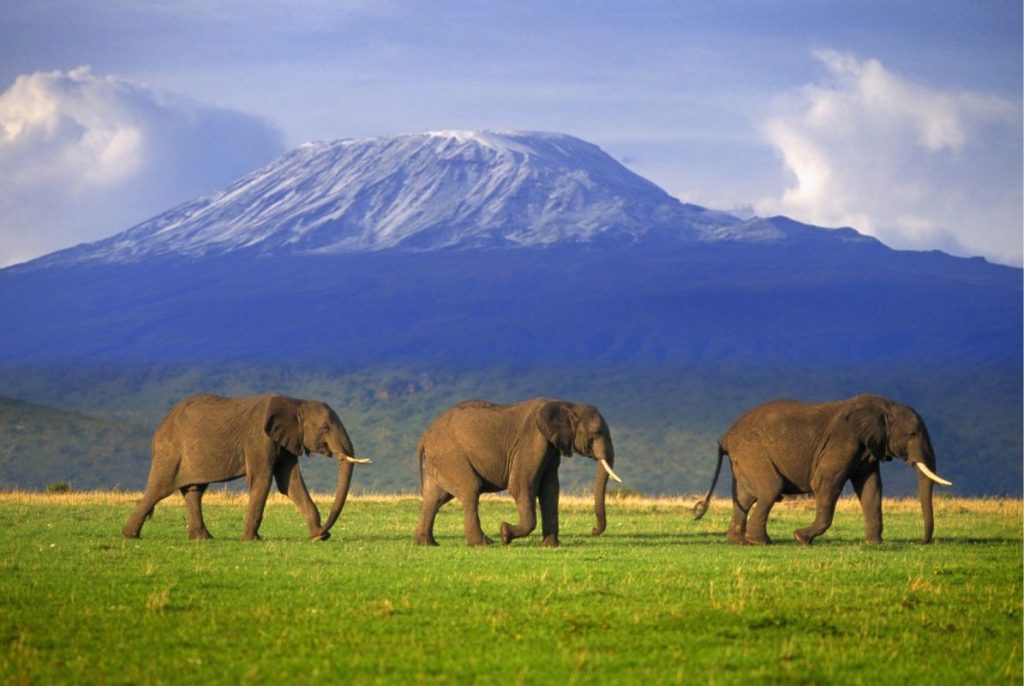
[
  {"x": 931, "y": 475},
  {"x": 608, "y": 469},
  {"x": 356, "y": 460}
]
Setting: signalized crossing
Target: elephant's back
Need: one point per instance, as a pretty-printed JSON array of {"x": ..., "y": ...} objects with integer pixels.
[
  {"x": 782, "y": 420},
  {"x": 470, "y": 426},
  {"x": 202, "y": 414},
  {"x": 456, "y": 416}
]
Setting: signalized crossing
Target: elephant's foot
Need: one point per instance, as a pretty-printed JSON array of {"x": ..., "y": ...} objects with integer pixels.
[
  {"x": 550, "y": 542},
  {"x": 506, "y": 533},
  {"x": 757, "y": 540},
  {"x": 252, "y": 537},
  {"x": 424, "y": 539},
  {"x": 199, "y": 535},
  {"x": 320, "y": 536},
  {"x": 130, "y": 533},
  {"x": 479, "y": 542},
  {"x": 736, "y": 537},
  {"x": 802, "y": 537}
]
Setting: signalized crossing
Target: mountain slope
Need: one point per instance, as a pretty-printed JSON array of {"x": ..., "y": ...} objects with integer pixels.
[
  {"x": 429, "y": 191},
  {"x": 44, "y": 445},
  {"x": 434, "y": 190},
  {"x": 722, "y": 304}
]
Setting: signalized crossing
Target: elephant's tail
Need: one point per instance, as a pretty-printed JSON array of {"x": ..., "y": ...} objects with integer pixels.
[
  {"x": 419, "y": 461},
  {"x": 701, "y": 507}
]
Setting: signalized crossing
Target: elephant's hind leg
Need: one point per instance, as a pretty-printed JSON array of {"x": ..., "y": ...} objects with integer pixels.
[
  {"x": 194, "y": 504},
  {"x": 471, "y": 521},
  {"x": 433, "y": 498},
  {"x": 142, "y": 511},
  {"x": 767, "y": 490},
  {"x": 742, "y": 501}
]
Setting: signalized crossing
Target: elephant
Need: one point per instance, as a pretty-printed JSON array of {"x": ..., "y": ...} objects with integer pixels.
[
  {"x": 479, "y": 447},
  {"x": 206, "y": 439},
  {"x": 788, "y": 447}
]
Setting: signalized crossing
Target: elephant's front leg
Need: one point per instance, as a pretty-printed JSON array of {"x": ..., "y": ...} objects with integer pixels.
[
  {"x": 526, "y": 501},
  {"x": 825, "y": 497},
  {"x": 548, "y": 496},
  {"x": 869, "y": 491},
  {"x": 259, "y": 489},
  {"x": 290, "y": 482}
]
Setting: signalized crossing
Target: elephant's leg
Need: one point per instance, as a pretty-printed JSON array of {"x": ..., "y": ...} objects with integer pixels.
[
  {"x": 869, "y": 492},
  {"x": 471, "y": 514},
  {"x": 527, "y": 503},
  {"x": 548, "y": 496},
  {"x": 433, "y": 498},
  {"x": 825, "y": 497},
  {"x": 742, "y": 501},
  {"x": 766, "y": 488},
  {"x": 259, "y": 489},
  {"x": 194, "y": 504},
  {"x": 144, "y": 509},
  {"x": 289, "y": 482}
]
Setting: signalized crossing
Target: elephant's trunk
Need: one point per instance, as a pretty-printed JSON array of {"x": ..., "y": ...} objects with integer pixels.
[
  {"x": 922, "y": 456},
  {"x": 605, "y": 461},
  {"x": 340, "y": 494},
  {"x": 924, "y": 493}
]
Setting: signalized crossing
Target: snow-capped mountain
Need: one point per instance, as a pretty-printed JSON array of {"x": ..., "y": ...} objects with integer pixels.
[
  {"x": 488, "y": 247},
  {"x": 427, "y": 191}
]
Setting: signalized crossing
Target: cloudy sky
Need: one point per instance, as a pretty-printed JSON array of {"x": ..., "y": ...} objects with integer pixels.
[{"x": 901, "y": 119}]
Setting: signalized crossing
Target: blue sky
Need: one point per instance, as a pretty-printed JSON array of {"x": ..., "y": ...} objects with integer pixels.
[{"x": 902, "y": 119}]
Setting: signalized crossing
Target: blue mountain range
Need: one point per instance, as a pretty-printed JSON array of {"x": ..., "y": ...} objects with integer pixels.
[{"x": 521, "y": 251}]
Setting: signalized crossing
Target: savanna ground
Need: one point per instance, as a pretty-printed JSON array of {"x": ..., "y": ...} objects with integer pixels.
[{"x": 658, "y": 599}]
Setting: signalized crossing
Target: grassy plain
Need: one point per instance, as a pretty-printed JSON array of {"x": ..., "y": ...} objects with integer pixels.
[{"x": 658, "y": 599}]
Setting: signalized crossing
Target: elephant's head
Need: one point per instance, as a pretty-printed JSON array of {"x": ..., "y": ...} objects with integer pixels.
[
  {"x": 313, "y": 427},
  {"x": 579, "y": 428},
  {"x": 892, "y": 430}
]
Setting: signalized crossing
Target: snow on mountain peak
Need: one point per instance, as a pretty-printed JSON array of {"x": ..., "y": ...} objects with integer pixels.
[{"x": 440, "y": 189}]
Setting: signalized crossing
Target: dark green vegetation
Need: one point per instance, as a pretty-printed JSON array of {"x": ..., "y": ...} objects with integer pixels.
[
  {"x": 44, "y": 446},
  {"x": 664, "y": 421},
  {"x": 658, "y": 599}
]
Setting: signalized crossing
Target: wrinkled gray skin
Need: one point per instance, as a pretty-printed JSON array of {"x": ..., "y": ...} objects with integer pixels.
[
  {"x": 206, "y": 439},
  {"x": 785, "y": 447},
  {"x": 479, "y": 447}
]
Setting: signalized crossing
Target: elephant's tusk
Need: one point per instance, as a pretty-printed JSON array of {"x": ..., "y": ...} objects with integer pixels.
[
  {"x": 608, "y": 469},
  {"x": 931, "y": 475},
  {"x": 356, "y": 460}
]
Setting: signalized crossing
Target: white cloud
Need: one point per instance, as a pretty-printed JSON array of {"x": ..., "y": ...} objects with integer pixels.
[
  {"x": 83, "y": 156},
  {"x": 916, "y": 166}
]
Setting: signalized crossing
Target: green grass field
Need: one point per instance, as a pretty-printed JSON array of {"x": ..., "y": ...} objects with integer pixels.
[{"x": 658, "y": 599}]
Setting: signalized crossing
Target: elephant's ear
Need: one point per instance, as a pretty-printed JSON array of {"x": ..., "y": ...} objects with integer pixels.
[
  {"x": 867, "y": 417},
  {"x": 557, "y": 423},
  {"x": 283, "y": 425}
]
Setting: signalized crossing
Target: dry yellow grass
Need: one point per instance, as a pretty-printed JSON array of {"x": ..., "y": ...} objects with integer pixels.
[{"x": 1001, "y": 506}]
